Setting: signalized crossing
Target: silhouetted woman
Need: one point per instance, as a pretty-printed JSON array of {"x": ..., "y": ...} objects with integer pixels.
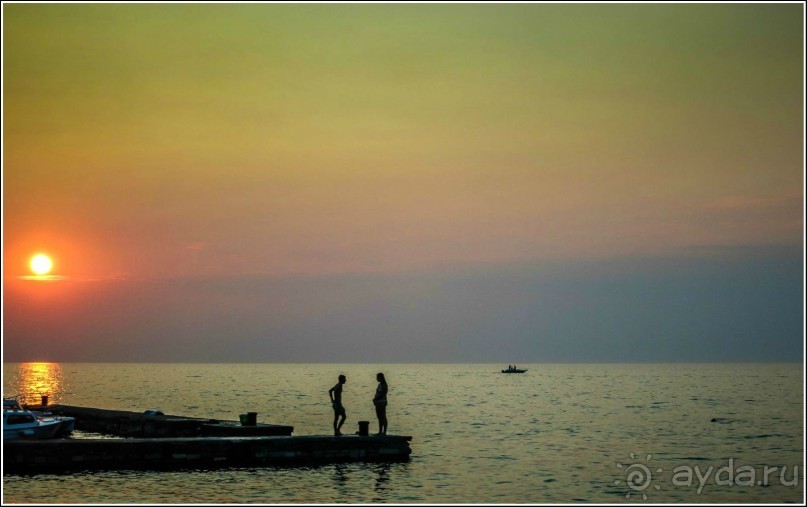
[{"x": 380, "y": 402}]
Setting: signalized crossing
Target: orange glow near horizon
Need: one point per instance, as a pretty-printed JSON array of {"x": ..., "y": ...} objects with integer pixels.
[
  {"x": 41, "y": 266},
  {"x": 73, "y": 257}
]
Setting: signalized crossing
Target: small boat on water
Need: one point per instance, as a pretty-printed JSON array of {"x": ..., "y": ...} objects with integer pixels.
[
  {"x": 19, "y": 422},
  {"x": 513, "y": 369}
]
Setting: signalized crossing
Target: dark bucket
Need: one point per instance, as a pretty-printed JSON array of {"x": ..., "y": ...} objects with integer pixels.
[
  {"x": 364, "y": 428},
  {"x": 252, "y": 418}
]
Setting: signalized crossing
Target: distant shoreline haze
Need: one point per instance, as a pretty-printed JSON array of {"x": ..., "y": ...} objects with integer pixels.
[{"x": 725, "y": 308}]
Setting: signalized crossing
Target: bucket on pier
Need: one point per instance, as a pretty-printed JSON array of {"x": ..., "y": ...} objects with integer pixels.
[
  {"x": 44, "y": 400},
  {"x": 364, "y": 428},
  {"x": 249, "y": 419}
]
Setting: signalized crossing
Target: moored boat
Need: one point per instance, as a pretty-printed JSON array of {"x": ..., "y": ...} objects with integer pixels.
[{"x": 18, "y": 424}]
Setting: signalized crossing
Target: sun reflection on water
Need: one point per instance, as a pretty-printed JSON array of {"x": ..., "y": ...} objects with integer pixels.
[{"x": 34, "y": 380}]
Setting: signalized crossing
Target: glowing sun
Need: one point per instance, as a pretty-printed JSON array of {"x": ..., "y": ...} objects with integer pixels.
[{"x": 41, "y": 264}]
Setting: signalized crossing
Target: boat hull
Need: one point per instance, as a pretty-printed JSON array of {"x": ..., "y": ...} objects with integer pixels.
[
  {"x": 66, "y": 424},
  {"x": 42, "y": 431}
]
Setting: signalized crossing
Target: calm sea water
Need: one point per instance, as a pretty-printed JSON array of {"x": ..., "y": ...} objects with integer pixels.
[{"x": 557, "y": 434}]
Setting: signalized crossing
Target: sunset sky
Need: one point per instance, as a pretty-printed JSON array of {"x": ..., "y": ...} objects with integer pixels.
[{"x": 415, "y": 183}]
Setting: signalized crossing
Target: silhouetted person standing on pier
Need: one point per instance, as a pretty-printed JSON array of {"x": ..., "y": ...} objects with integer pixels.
[
  {"x": 380, "y": 402},
  {"x": 335, "y": 394}
]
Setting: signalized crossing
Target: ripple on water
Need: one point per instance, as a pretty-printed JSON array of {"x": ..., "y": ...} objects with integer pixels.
[{"x": 465, "y": 450}]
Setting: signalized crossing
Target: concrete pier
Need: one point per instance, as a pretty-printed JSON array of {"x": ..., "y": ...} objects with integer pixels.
[
  {"x": 67, "y": 455},
  {"x": 140, "y": 425}
]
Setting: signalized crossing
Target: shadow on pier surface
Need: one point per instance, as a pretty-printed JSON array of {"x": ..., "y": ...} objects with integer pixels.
[{"x": 66, "y": 455}]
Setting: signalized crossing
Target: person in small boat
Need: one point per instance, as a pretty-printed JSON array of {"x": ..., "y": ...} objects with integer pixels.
[
  {"x": 380, "y": 402},
  {"x": 335, "y": 393}
]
